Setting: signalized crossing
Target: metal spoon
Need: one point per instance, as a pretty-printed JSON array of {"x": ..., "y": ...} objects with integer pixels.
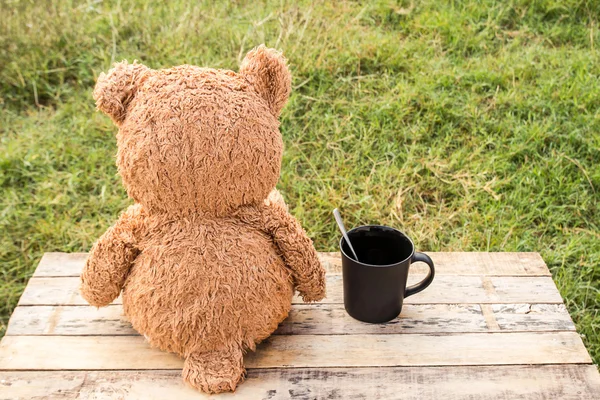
[{"x": 340, "y": 223}]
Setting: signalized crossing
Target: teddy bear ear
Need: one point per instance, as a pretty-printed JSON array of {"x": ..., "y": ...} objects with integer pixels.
[
  {"x": 267, "y": 70},
  {"x": 115, "y": 89}
]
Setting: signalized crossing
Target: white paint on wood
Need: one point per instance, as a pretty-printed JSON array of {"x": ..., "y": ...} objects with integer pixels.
[
  {"x": 332, "y": 319},
  {"x": 82, "y": 352},
  {"x": 42, "y": 385},
  {"x": 310, "y": 354},
  {"x": 420, "y": 350},
  {"x": 60, "y": 264},
  {"x": 314, "y": 319},
  {"x": 54, "y": 291},
  {"x": 132, "y": 352},
  {"x": 486, "y": 263},
  {"x": 447, "y": 263},
  {"x": 490, "y": 319},
  {"x": 69, "y": 321},
  {"x": 448, "y": 289},
  {"x": 565, "y": 382},
  {"x": 70, "y": 264},
  {"x": 533, "y": 316}
]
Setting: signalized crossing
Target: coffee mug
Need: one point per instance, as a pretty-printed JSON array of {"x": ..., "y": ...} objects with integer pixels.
[{"x": 375, "y": 285}]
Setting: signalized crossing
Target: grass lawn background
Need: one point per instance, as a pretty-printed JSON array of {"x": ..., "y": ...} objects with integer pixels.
[{"x": 471, "y": 125}]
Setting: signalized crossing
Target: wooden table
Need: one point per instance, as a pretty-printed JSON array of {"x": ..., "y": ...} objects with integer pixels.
[{"x": 492, "y": 325}]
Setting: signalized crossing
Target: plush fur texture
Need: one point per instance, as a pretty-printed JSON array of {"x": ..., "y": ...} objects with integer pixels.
[{"x": 208, "y": 256}]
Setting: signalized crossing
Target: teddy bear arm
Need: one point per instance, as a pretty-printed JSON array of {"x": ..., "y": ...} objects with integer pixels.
[
  {"x": 298, "y": 253},
  {"x": 276, "y": 197},
  {"x": 110, "y": 259}
]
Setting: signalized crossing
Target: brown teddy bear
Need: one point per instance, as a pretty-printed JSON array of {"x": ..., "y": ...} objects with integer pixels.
[{"x": 207, "y": 258}]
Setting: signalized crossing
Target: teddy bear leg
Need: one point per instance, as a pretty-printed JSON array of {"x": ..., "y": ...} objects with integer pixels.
[{"x": 214, "y": 371}]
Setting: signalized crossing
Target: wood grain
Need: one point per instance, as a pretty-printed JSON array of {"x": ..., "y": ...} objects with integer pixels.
[
  {"x": 317, "y": 319},
  {"x": 70, "y": 264},
  {"x": 490, "y": 319},
  {"x": 454, "y": 263},
  {"x": 60, "y": 264},
  {"x": 565, "y": 382},
  {"x": 449, "y": 289},
  {"x": 533, "y": 316},
  {"x": 467, "y": 336},
  {"x": 132, "y": 352}
]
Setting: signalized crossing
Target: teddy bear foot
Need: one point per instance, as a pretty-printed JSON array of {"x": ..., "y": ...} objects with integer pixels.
[{"x": 214, "y": 371}]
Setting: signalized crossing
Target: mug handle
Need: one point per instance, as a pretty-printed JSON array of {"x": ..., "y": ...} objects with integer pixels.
[{"x": 416, "y": 288}]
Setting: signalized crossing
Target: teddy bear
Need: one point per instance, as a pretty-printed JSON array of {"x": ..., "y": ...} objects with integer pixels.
[{"x": 208, "y": 256}]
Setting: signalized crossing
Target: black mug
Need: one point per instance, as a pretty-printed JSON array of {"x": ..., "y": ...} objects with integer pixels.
[{"x": 375, "y": 286}]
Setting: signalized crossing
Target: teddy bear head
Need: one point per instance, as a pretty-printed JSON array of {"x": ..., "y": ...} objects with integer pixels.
[{"x": 198, "y": 140}]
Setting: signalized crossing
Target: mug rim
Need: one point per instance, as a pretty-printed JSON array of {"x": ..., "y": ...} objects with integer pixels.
[{"x": 378, "y": 265}]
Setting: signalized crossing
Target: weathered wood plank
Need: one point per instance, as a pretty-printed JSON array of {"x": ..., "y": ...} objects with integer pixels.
[
  {"x": 60, "y": 264},
  {"x": 53, "y": 291},
  {"x": 99, "y": 352},
  {"x": 565, "y": 382},
  {"x": 490, "y": 319},
  {"x": 69, "y": 321},
  {"x": 44, "y": 385},
  {"x": 421, "y": 350},
  {"x": 436, "y": 360},
  {"x": 82, "y": 353},
  {"x": 533, "y": 317},
  {"x": 317, "y": 319},
  {"x": 482, "y": 263},
  {"x": 70, "y": 264},
  {"x": 447, "y": 263},
  {"x": 444, "y": 290},
  {"x": 332, "y": 319}
]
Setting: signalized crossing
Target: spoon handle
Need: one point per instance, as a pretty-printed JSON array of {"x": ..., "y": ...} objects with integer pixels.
[{"x": 338, "y": 219}]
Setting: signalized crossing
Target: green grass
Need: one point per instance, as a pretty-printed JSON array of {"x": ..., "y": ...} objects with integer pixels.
[{"x": 472, "y": 126}]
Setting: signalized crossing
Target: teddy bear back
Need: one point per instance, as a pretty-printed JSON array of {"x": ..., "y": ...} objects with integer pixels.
[{"x": 198, "y": 140}]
